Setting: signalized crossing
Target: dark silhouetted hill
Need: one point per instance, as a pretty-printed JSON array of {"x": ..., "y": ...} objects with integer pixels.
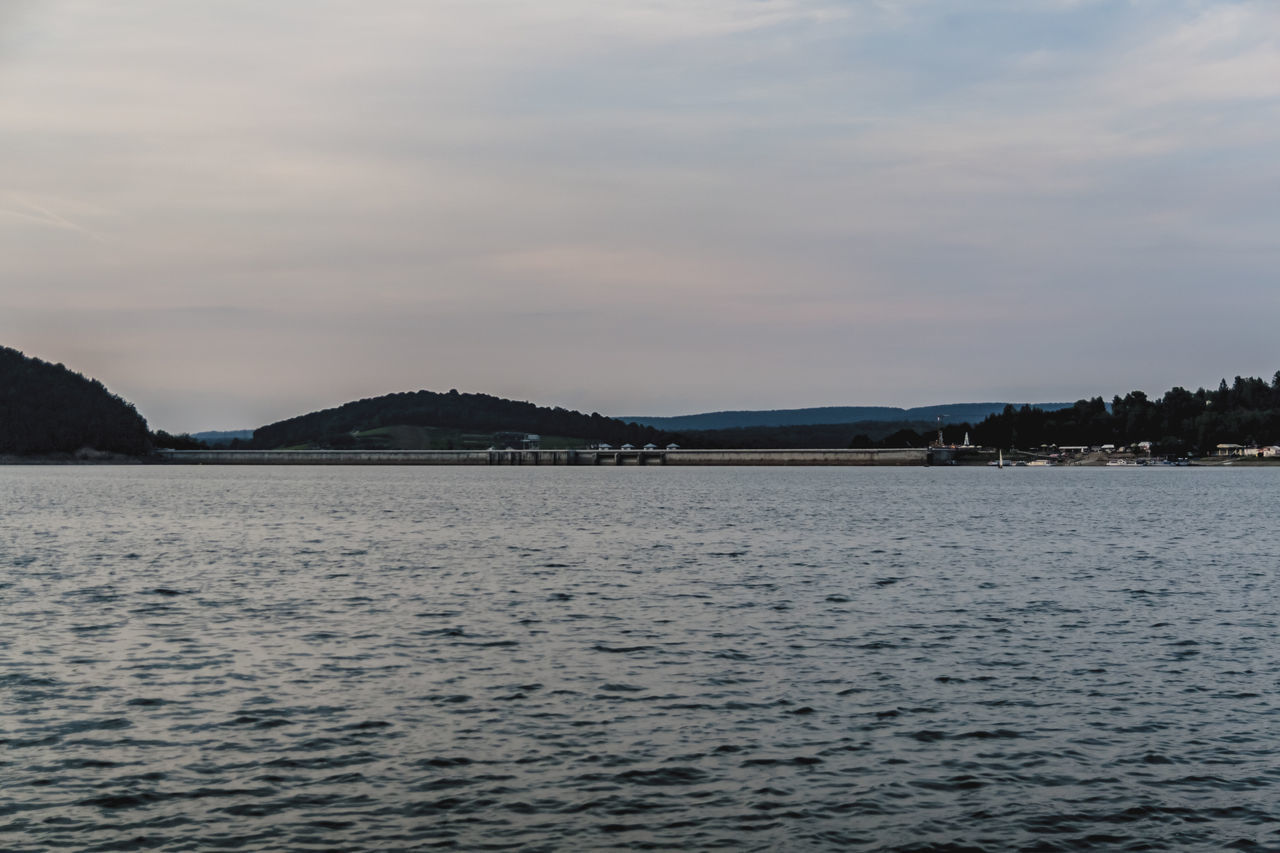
[
  {"x": 46, "y": 408},
  {"x": 477, "y": 413}
]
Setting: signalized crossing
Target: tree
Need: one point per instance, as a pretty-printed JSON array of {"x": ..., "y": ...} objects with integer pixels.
[
  {"x": 904, "y": 438},
  {"x": 185, "y": 441},
  {"x": 46, "y": 408}
]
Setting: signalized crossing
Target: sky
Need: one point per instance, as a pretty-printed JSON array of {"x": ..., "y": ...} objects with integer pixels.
[{"x": 231, "y": 213}]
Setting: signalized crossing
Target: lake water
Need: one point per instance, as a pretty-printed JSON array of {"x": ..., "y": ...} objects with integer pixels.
[{"x": 365, "y": 659}]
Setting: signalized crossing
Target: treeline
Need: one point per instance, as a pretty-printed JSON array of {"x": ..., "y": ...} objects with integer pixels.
[
  {"x": 182, "y": 441},
  {"x": 1180, "y": 422},
  {"x": 47, "y": 408},
  {"x": 474, "y": 412},
  {"x": 811, "y": 436}
]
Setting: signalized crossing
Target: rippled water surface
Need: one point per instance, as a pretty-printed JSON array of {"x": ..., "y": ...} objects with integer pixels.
[{"x": 638, "y": 658}]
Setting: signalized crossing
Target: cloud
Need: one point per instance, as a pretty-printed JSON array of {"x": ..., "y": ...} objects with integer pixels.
[
  {"x": 18, "y": 207},
  {"x": 480, "y": 194}
]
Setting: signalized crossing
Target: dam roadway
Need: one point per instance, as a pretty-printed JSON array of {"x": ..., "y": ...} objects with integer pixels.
[{"x": 894, "y": 456}]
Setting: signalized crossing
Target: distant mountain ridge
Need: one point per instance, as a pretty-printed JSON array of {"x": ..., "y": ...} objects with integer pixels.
[
  {"x": 455, "y": 420},
  {"x": 950, "y": 412},
  {"x": 219, "y": 437}
]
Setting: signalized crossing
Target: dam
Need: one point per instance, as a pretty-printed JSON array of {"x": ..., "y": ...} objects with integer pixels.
[{"x": 832, "y": 457}]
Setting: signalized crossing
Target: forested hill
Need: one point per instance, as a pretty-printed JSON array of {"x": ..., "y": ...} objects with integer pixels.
[
  {"x": 1246, "y": 412},
  {"x": 952, "y": 412},
  {"x": 46, "y": 408},
  {"x": 471, "y": 412}
]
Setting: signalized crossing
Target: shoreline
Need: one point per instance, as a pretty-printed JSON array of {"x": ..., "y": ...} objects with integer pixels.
[
  {"x": 75, "y": 459},
  {"x": 834, "y": 457}
]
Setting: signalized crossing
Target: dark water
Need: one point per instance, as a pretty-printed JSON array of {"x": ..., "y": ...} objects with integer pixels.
[{"x": 569, "y": 659}]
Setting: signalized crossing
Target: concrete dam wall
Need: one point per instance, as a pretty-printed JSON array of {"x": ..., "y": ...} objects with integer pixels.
[{"x": 902, "y": 456}]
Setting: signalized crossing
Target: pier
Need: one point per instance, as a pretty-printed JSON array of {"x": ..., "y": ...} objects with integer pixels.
[{"x": 833, "y": 457}]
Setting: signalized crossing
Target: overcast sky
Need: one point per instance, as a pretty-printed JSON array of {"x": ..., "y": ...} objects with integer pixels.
[{"x": 235, "y": 212}]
